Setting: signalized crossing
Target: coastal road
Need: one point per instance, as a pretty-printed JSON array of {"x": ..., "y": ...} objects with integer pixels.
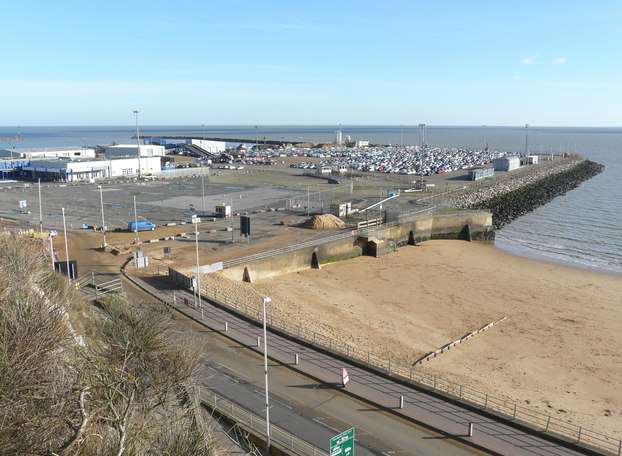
[
  {"x": 299, "y": 404},
  {"x": 429, "y": 410}
]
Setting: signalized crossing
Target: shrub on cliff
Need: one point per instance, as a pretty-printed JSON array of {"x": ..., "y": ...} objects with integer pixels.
[{"x": 114, "y": 391}]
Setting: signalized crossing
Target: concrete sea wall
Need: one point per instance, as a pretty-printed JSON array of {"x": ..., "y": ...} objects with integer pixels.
[{"x": 467, "y": 225}]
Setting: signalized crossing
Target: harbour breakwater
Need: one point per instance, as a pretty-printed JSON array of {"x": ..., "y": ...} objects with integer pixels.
[{"x": 510, "y": 200}]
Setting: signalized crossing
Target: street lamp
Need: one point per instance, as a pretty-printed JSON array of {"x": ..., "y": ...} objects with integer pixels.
[
  {"x": 137, "y": 139},
  {"x": 66, "y": 245},
  {"x": 40, "y": 210},
  {"x": 265, "y": 300},
  {"x": 202, "y": 188},
  {"x": 101, "y": 201},
  {"x": 196, "y": 221},
  {"x": 136, "y": 221}
]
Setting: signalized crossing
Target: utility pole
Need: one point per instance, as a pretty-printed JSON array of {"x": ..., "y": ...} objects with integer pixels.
[
  {"x": 40, "y": 210},
  {"x": 66, "y": 246},
  {"x": 101, "y": 201},
  {"x": 526, "y": 139},
  {"x": 137, "y": 140},
  {"x": 265, "y": 300},
  {"x": 136, "y": 221}
]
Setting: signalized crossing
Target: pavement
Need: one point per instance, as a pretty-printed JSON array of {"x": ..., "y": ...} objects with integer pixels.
[{"x": 449, "y": 418}]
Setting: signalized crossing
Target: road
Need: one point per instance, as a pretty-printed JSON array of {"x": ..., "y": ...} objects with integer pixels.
[
  {"x": 303, "y": 406},
  {"x": 451, "y": 419},
  {"x": 380, "y": 429}
]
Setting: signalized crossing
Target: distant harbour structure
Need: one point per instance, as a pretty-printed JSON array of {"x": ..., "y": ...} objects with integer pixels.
[{"x": 339, "y": 136}]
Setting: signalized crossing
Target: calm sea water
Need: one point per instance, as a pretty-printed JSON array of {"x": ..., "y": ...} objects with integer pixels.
[{"x": 582, "y": 228}]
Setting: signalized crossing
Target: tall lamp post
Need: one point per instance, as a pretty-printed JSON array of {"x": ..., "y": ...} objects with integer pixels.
[
  {"x": 265, "y": 300},
  {"x": 40, "y": 210},
  {"x": 136, "y": 221},
  {"x": 101, "y": 201},
  {"x": 66, "y": 246},
  {"x": 196, "y": 221},
  {"x": 136, "y": 111},
  {"x": 202, "y": 189}
]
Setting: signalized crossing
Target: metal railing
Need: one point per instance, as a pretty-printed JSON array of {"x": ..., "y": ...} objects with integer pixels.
[
  {"x": 257, "y": 425},
  {"x": 506, "y": 407},
  {"x": 288, "y": 249}
]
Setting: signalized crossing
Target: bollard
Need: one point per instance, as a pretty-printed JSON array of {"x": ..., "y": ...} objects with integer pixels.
[
  {"x": 470, "y": 429},
  {"x": 258, "y": 341},
  {"x": 296, "y": 359},
  {"x": 579, "y": 437},
  {"x": 226, "y": 326},
  {"x": 401, "y": 401}
]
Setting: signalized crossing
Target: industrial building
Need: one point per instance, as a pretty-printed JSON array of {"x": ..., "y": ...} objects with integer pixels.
[
  {"x": 89, "y": 170},
  {"x": 82, "y": 152},
  {"x": 480, "y": 173},
  {"x": 529, "y": 160},
  {"x": 212, "y": 147},
  {"x": 506, "y": 163},
  {"x": 129, "y": 150}
]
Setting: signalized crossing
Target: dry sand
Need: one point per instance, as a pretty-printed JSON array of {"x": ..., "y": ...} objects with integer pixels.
[{"x": 558, "y": 350}]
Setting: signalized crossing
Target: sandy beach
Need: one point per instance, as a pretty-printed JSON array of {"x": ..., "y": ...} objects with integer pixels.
[{"x": 557, "y": 350}]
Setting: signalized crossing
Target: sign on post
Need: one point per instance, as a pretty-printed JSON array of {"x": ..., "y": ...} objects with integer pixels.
[
  {"x": 345, "y": 378},
  {"x": 343, "y": 444}
]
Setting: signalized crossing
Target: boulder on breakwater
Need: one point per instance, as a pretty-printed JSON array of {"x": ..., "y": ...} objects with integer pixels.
[{"x": 507, "y": 206}]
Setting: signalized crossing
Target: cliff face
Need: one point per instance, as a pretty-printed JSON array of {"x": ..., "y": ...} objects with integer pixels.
[{"x": 508, "y": 205}]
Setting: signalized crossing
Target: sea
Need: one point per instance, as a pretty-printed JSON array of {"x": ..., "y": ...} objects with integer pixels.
[{"x": 582, "y": 228}]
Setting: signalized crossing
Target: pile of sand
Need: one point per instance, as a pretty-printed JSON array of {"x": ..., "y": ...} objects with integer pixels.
[{"x": 324, "y": 222}]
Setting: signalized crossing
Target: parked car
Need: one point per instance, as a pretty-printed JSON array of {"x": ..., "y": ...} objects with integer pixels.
[{"x": 141, "y": 225}]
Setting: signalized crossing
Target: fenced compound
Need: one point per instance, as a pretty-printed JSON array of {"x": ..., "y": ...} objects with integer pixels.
[
  {"x": 505, "y": 407},
  {"x": 257, "y": 425}
]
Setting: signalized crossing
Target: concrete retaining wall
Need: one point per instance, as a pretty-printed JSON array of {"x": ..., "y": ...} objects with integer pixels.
[
  {"x": 298, "y": 260},
  {"x": 472, "y": 225}
]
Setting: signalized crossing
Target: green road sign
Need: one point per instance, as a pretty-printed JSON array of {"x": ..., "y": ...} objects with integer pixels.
[{"x": 343, "y": 444}]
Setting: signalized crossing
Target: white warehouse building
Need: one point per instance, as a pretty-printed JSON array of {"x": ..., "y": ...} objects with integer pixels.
[
  {"x": 90, "y": 170},
  {"x": 506, "y": 163},
  {"x": 129, "y": 150},
  {"x": 213, "y": 147},
  {"x": 82, "y": 152}
]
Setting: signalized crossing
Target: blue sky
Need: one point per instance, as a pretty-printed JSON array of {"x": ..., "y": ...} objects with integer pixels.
[{"x": 320, "y": 62}]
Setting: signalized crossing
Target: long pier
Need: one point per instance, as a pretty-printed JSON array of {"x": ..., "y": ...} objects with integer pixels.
[{"x": 271, "y": 142}]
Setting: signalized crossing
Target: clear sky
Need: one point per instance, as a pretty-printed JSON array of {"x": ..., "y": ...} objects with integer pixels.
[{"x": 311, "y": 62}]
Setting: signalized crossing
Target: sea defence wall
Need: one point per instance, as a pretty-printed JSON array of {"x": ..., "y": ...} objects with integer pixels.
[
  {"x": 377, "y": 241},
  {"x": 509, "y": 200}
]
